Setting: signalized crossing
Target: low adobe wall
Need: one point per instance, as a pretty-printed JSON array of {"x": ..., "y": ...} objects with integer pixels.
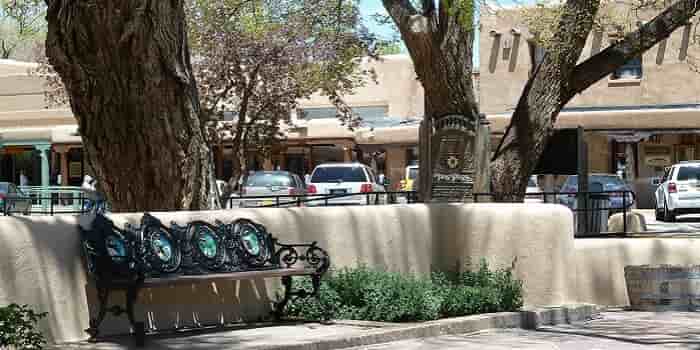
[
  {"x": 600, "y": 264},
  {"x": 41, "y": 263}
]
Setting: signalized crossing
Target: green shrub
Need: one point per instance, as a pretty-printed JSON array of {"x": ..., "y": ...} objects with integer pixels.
[
  {"x": 366, "y": 294},
  {"x": 18, "y": 327}
]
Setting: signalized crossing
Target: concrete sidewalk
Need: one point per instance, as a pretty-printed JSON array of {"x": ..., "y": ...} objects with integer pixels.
[
  {"x": 341, "y": 334},
  {"x": 611, "y": 330}
]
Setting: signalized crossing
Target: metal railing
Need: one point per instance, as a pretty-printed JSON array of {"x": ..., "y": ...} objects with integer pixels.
[
  {"x": 51, "y": 200},
  {"x": 588, "y": 207},
  {"x": 363, "y": 198}
]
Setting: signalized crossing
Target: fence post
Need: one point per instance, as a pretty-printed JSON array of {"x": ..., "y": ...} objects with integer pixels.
[
  {"x": 277, "y": 201},
  {"x": 51, "y": 206},
  {"x": 624, "y": 212}
]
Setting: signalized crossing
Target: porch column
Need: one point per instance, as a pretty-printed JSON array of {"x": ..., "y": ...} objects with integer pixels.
[
  {"x": 395, "y": 164},
  {"x": 347, "y": 153},
  {"x": 43, "y": 149},
  {"x": 63, "y": 150}
]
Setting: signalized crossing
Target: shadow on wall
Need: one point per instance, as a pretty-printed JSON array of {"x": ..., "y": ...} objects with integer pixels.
[
  {"x": 187, "y": 306},
  {"x": 38, "y": 268}
]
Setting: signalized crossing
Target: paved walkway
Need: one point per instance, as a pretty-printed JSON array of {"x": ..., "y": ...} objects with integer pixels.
[{"x": 612, "y": 330}]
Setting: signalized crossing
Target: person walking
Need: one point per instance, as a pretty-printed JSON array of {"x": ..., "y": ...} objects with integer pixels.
[{"x": 23, "y": 180}]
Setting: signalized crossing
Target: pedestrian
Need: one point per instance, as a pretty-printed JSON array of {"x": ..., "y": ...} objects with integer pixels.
[
  {"x": 23, "y": 180},
  {"x": 307, "y": 178}
]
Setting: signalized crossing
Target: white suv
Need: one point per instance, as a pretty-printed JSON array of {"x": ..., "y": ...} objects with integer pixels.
[
  {"x": 679, "y": 191},
  {"x": 345, "y": 178}
]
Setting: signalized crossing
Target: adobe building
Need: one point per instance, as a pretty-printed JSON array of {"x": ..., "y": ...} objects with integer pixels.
[{"x": 636, "y": 121}]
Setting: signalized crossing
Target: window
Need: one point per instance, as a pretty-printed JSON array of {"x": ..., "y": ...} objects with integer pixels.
[
  {"x": 536, "y": 54},
  {"x": 688, "y": 173},
  {"x": 268, "y": 179},
  {"x": 632, "y": 70},
  {"x": 375, "y": 116},
  {"x": 339, "y": 174}
]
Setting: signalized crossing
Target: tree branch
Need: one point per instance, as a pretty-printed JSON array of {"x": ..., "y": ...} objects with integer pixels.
[
  {"x": 651, "y": 33},
  {"x": 400, "y": 11}
]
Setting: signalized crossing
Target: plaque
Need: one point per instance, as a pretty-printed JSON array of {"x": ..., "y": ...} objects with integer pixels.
[{"x": 453, "y": 158}]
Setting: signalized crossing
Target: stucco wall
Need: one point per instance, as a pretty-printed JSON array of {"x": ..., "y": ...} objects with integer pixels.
[
  {"x": 503, "y": 75},
  {"x": 600, "y": 263},
  {"x": 41, "y": 264}
]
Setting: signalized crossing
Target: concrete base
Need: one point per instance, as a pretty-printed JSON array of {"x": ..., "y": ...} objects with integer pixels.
[{"x": 635, "y": 223}]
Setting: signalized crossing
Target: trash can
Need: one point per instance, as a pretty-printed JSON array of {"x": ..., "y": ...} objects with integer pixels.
[
  {"x": 594, "y": 219},
  {"x": 597, "y": 215}
]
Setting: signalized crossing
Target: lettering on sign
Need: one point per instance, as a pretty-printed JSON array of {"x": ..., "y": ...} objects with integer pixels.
[{"x": 453, "y": 145}]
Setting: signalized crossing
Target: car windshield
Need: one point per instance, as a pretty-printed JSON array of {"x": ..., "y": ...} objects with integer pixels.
[
  {"x": 689, "y": 173},
  {"x": 339, "y": 174},
  {"x": 268, "y": 179},
  {"x": 531, "y": 183},
  {"x": 412, "y": 173}
]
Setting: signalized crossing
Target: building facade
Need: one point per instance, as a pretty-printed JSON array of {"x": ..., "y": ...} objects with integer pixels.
[{"x": 636, "y": 121}]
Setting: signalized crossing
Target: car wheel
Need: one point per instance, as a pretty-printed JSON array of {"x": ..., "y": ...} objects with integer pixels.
[
  {"x": 658, "y": 212},
  {"x": 668, "y": 214}
]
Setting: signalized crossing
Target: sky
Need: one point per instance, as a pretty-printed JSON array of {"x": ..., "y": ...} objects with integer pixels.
[{"x": 370, "y": 7}]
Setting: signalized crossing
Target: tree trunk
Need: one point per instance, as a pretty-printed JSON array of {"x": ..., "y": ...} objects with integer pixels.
[
  {"x": 441, "y": 49},
  {"x": 126, "y": 68},
  {"x": 543, "y": 97}
]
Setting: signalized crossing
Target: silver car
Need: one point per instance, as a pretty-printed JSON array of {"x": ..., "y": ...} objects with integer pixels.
[{"x": 267, "y": 186}]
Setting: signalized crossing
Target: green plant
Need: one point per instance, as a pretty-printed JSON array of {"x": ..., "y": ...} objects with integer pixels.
[
  {"x": 365, "y": 294},
  {"x": 18, "y": 327}
]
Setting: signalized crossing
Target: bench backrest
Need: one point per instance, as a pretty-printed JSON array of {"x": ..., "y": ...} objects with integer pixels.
[{"x": 154, "y": 250}]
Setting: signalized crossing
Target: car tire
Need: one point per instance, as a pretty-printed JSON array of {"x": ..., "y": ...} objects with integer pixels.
[{"x": 668, "y": 214}]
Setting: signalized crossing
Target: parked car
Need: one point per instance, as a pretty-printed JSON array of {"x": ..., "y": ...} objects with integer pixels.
[
  {"x": 533, "y": 193},
  {"x": 679, "y": 191},
  {"x": 13, "y": 200},
  {"x": 272, "y": 184},
  {"x": 345, "y": 178},
  {"x": 598, "y": 183},
  {"x": 410, "y": 183}
]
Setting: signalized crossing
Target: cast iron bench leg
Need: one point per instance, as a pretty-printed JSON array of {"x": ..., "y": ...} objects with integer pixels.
[
  {"x": 139, "y": 328},
  {"x": 289, "y": 293},
  {"x": 94, "y": 330}
]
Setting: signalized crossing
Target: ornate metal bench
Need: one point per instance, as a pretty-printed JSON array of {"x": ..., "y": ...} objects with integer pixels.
[{"x": 152, "y": 255}]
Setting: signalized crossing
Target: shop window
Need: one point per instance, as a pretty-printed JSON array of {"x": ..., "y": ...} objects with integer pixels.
[{"x": 632, "y": 70}]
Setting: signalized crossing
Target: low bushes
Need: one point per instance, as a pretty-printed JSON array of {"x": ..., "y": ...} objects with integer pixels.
[
  {"x": 373, "y": 295},
  {"x": 18, "y": 327}
]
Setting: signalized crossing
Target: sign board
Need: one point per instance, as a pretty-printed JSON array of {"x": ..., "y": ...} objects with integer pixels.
[
  {"x": 74, "y": 169},
  {"x": 657, "y": 160},
  {"x": 561, "y": 154},
  {"x": 453, "y": 158}
]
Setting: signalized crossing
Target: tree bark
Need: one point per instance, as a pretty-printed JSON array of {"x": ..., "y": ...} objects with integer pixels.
[
  {"x": 126, "y": 68},
  {"x": 441, "y": 50}
]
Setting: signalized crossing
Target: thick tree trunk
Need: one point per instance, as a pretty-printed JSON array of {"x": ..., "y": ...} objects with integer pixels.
[
  {"x": 126, "y": 68},
  {"x": 441, "y": 49}
]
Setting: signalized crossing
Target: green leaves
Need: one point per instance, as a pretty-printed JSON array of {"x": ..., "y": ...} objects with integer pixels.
[
  {"x": 366, "y": 294},
  {"x": 18, "y": 327}
]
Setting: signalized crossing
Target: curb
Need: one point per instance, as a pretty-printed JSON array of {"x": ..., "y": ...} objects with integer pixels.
[{"x": 526, "y": 319}]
